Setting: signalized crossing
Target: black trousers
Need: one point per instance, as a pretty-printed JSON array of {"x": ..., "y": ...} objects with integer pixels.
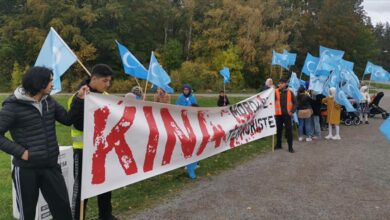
[
  {"x": 28, "y": 182},
  {"x": 287, "y": 122},
  {"x": 104, "y": 200}
]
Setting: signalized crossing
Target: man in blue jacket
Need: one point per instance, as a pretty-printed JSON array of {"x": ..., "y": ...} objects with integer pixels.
[{"x": 30, "y": 115}]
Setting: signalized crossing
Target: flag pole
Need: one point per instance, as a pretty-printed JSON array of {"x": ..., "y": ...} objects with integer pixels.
[
  {"x": 78, "y": 60},
  {"x": 146, "y": 89},
  {"x": 224, "y": 93},
  {"x": 137, "y": 82},
  {"x": 82, "y": 210}
]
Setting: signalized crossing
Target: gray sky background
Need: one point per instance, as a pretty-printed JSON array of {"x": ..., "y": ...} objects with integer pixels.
[{"x": 378, "y": 10}]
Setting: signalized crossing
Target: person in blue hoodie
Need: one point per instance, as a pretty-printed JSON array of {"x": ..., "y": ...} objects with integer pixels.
[{"x": 188, "y": 99}]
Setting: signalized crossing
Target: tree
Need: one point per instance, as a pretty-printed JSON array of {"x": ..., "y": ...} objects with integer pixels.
[{"x": 17, "y": 74}]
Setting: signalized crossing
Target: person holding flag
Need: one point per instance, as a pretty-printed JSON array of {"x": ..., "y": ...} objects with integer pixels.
[
  {"x": 30, "y": 114},
  {"x": 222, "y": 99},
  {"x": 99, "y": 82},
  {"x": 334, "y": 112},
  {"x": 162, "y": 96}
]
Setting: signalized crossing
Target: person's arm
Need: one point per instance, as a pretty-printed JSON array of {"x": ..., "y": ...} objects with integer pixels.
[
  {"x": 7, "y": 119},
  {"x": 227, "y": 100},
  {"x": 220, "y": 102},
  {"x": 77, "y": 116},
  {"x": 294, "y": 102},
  {"x": 61, "y": 115}
]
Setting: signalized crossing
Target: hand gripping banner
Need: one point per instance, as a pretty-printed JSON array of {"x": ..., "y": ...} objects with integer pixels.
[{"x": 126, "y": 141}]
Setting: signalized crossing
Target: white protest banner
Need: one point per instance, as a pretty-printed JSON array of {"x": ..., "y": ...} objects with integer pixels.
[{"x": 126, "y": 141}]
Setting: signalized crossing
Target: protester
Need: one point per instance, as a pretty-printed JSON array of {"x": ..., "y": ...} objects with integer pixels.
[
  {"x": 222, "y": 99},
  {"x": 188, "y": 99},
  {"x": 269, "y": 83},
  {"x": 305, "y": 112},
  {"x": 30, "y": 114},
  {"x": 285, "y": 105},
  {"x": 334, "y": 112},
  {"x": 99, "y": 83},
  {"x": 316, "y": 105},
  {"x": 136, "y": 93},
  {"x": 364, "y": 110},
  {"x": 161, "y": 96}
]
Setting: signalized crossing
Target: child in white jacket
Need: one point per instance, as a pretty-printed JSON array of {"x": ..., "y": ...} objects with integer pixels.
[{"x": 364, "y": 110}]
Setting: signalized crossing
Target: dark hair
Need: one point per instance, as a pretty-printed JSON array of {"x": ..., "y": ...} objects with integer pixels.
[
  {"x": 282, "y": 80},
  {"x": 101, "y": 70},
  {"x": 36, "y": 79}
]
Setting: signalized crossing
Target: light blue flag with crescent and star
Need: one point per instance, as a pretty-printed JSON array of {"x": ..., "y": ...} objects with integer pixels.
[
  {"x": 310, "y": 65},
  {"x": 56, "y": 55},
  {"x": 294, "y": 83},
  {"x": 342, "y": 99},
  {"x": 380, "y": 75},
  {"x": 280, "y": 59},
  {"x": 292, "y": 57},
  {"x": 385, "y": 128},
  {"x": 225, "y": 72},
  {"x": 158, "y": 76},
  {"x": 130, "y": 63},
  {"x": 370, "y": 68},
  {"x": 329, "y": 59}
]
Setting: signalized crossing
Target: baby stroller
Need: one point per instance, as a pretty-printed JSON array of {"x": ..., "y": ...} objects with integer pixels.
[
  {"x": 374, "y": 107},
  {"x": 350, "y": 118}
]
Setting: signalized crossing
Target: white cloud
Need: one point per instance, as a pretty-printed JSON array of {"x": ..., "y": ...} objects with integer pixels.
[{"x": 378, "y": 10}]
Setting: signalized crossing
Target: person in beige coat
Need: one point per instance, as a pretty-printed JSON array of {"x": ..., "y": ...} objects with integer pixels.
[{"x": 334, "y": 112}]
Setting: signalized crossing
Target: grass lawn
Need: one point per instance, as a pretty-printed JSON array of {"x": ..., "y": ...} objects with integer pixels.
[
  {"x": 147, "y": 193},
  {"x": 380, "y": 85}
]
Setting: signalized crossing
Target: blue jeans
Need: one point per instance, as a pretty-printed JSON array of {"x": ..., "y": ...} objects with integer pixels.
[
  {"x": 305, "y": 123},
  {"x": 316, "y": 125}
]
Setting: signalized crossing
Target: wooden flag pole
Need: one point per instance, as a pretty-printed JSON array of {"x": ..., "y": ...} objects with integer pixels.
[
  {"x": 146, "y": 89},
  {"x": 81, "y": 64},
  {"x": 137, "y": 82},
  {"x": 82, "y": 210}
]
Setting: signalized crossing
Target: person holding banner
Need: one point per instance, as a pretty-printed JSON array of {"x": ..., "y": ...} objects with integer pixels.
[
  {"x": 30, "y": 114},
  {"x": 99, "y": 82},
  {"x": 222, "y": 99},
  {"x": 285, "y": 105},
  {"x": 188, "y": 99},
  {"x": 162, "y": 96}
]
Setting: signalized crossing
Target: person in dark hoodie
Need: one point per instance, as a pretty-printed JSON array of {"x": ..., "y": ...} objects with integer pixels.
[
  {"x": 222, "y": 99},
  {"x": 30, "y": 114},
  {"x": 99, "y": 82}
]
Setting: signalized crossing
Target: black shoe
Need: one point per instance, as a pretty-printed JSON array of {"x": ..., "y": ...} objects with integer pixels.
[
  {"x": 367, "y": 123},
  {"x": 291, "y": 150},
  {"x": 110, "y": 218},
  {"x": 277, "y": 147}
]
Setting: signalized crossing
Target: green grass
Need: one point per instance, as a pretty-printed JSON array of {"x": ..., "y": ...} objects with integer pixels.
[
  {"x": 380, "y": 85},
  {"x": 147, "y": 193}
]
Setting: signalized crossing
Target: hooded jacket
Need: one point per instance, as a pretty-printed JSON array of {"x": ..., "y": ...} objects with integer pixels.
[
  {"x": 186, "y": 100},
  {"x": 32, "y": 127}
]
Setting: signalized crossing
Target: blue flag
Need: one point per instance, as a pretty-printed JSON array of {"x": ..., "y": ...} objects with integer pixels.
[
  {"x": 325, "y": 51},
  {"x": 292, "y": 57},
  {"x": 225, "y": 72},
  {"x": 380, "y": 75},
  {"x": 158, "y": 76},
  {"x": 370, "y": 68},
  {"x": 131, "y": 65},
  {"x": 310, "y": 65},
  {"x": 280, "y": 59},
  {"x": 56, "y": 55},
  {"x": 294, "y": 83},
  {"x": 385, "y": 128},
  {"x": 342, "y": 99}
]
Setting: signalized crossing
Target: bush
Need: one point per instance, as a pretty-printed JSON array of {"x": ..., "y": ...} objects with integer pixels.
[{"x": 122, "y": 86}]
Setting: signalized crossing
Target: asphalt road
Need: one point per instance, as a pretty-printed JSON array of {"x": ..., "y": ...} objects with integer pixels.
[{"x": 346, "y": 179}]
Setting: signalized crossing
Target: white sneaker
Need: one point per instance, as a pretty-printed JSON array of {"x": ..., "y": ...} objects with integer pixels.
[
  {"x": 329, "y": 137},
  {"x": 336, "y": 137},
  {"x": 308, "y": 139},
  {"x": 300, "y": 139}
]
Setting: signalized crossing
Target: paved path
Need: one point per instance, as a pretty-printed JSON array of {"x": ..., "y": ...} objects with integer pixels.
[{"x": 347, "y": 179}]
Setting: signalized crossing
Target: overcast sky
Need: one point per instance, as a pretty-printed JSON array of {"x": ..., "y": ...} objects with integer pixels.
[{"x": 378, "y": 10}]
